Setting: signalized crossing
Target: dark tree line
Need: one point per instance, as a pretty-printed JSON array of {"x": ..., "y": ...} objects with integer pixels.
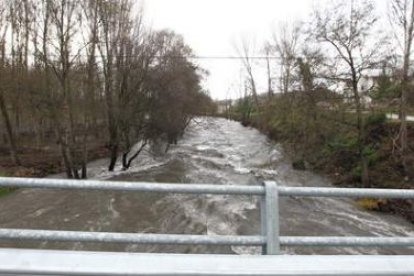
[{"x": 75, "y": 71}]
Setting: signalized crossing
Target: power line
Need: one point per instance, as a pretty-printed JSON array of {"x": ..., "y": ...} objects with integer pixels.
[
  {"x": 159, "y": 56},
  {"x": 235, "y": 57}
]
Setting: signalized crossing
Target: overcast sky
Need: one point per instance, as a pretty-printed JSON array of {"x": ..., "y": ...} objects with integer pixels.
[{"x": 211, "y": 28}]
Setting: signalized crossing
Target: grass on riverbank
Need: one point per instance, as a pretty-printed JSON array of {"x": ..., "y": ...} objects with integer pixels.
[
  {"x": 333, "y": 148},
  {"x": 326, "y": 141},
  {"x": 5, "y": 191}
]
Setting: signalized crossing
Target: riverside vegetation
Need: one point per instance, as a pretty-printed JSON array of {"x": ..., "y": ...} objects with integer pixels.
[
  {"x": 327, "y": 143},
  {"x": 338, "y": 79},
  {"x": 81, "y": 80}
]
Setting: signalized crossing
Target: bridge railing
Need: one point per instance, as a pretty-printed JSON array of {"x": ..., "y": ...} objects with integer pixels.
[{"x": 269, "y": 239}]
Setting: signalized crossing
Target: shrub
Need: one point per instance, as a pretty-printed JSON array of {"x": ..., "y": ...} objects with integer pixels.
[
  {"x": 375, "y": 119},
  {"x": 371, "y": 204},
  {"x": 371, "y": 154}
]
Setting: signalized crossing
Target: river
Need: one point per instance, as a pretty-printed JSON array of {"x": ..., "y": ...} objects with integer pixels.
[{"x": 212, "y": 151}]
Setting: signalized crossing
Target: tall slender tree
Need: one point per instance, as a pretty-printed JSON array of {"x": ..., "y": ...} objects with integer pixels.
[
  {"x": 402, "y": 18},
  {"x": 347, "y": 29},
  {"x": 4, "y": 27}
]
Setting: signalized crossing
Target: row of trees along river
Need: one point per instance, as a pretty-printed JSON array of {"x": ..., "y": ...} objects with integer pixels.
[
  {"x": 342, "y": 47},
  {"x": 78, "y": 72}
]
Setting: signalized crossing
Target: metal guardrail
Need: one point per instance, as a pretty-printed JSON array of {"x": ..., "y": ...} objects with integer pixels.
[
  {"x": 269, "y": 239},
  {"x": 43, "y": 262}
]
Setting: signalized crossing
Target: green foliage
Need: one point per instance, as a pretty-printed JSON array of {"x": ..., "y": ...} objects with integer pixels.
[
  {"x": 242, "y": 111},
  {"x": 356, "y": 172},
  {"x": 5, "y": 191},
  {"x": 321, "y": 132},
  {"x": 386, "y": 89},
  {"x": 342, "y": 143},
  {"x": 375, "y": 119},
  {"x": 371, "y": 154}
]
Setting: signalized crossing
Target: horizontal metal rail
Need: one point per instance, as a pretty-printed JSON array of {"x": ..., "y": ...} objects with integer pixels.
[
  {"x": 269, "y": 193},
  {"x": 348, "y": 241},
  {"x": 130, "y": 186},
  {"x": 201, "y": 188},
  {"x": 137, "y": 238},
  {"x": 47, "y": 262},
  {"x": 346, "y": 192},
  {"x": 77, "y": 236}
]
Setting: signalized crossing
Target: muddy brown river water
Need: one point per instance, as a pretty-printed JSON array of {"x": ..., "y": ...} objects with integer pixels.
[{"x": 213, "y": 151}]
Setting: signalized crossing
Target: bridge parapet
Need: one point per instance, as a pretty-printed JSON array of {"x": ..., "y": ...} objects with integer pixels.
[
  {"x": 43, "y": 262},
  {"x": 269, "y": 239}
]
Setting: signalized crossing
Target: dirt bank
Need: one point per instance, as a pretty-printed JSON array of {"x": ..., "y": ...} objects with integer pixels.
[
  {"x": 42, "y": 161},
  {"x": 342, "y": 168}
]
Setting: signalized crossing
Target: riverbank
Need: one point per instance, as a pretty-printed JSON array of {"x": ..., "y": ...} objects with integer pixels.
[
  {"x": 41, "y": 161},
  {"x": 335, "y": 158},
  {"x": 212, "y": 151}
]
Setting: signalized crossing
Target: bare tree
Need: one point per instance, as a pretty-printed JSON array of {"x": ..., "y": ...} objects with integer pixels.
[
  {"x": 246, "y": 50},
  {"x": 112, "y": 21},
  {"x": 268, "y": 51},
  {"x": 402, "y": 18},
  {"x": 70, "y": 68},
  {"x": 91, "y": 96},
  {"x": 139, "y": 56},
  {"x": 64, "y": 20},
  {"x": 3, "y": 104},
  {"x": 286, "y": 46},
  {"x": 174, "y": 89},
  {"x": 347, "y": 29},
  {"x": 126, "y": 53}
]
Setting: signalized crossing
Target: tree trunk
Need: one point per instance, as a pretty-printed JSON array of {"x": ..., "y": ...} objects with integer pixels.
[
  {"x": 403, "y": 112},
  {"x": 113, "y": 157},
  {"x": 269, "y": 78},
  {"x": 365, "y": 172},
  {"x": 361, "y": 128},
  {"x": 66, "y": 162},
  {"x": 84, "y": 171},
  {"x": 84, "y": 162},
  {"x": 9, "y": 131},
  {"x": 403, "y": 130},
  {"x": 76, "y": 173},
  {"x": 126, "y": 163},
  {"x": 408, "y": 39}
]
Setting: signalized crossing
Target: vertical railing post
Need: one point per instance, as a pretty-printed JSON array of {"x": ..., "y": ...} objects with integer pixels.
[
  {"x": 263, "y": 221},
  {"x": 269, "y": 214}
]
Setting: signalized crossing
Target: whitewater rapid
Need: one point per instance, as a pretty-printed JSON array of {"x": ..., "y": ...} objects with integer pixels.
[{"x": 212, "y": 151}]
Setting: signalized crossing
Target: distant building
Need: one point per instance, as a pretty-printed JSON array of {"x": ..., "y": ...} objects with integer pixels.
[
  {"x": 224, "y": 106},
  {"x": 366, "y": 84}
]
